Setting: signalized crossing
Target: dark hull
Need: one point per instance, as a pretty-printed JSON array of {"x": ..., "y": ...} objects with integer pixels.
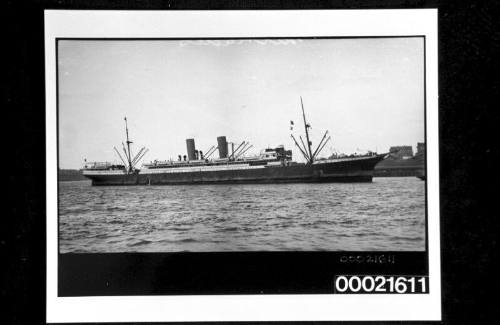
[{"x": 341, "y": 171}]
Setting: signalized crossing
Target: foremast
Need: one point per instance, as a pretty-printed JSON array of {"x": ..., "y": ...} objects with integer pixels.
[
  {"x": 306, "y": 128},
  {"x": 306, "y": 151}
]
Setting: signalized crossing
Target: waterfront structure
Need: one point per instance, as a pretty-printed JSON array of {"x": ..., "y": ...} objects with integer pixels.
[
  {"x": 400, "y": 165},
  {"x": 401, "y": 152}
]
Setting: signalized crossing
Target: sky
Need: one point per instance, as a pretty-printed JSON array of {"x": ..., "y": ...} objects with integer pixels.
[{"x": 368, "y": 93}]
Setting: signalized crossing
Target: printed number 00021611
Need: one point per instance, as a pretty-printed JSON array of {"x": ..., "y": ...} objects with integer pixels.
[{"x": 380, "y": 284}]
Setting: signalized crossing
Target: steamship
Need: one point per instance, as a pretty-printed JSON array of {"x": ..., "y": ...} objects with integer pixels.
[{"x": 272, "y": 165}]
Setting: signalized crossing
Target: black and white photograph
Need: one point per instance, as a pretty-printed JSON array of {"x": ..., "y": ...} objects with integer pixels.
[
  {"x": 241, "y": 161},
  {"x": 250, "y": 161},
  {"x": 241, "y": 145}
]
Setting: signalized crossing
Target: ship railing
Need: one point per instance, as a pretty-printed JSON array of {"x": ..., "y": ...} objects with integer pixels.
[{"x": 102, "y": 165}]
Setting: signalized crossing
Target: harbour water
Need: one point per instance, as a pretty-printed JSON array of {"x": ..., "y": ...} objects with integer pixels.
[{"x": 388, "y": 214}]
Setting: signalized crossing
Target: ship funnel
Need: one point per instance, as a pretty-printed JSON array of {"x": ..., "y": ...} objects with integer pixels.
[
  {"x": 190, "y": 149},
  {"x": 222, "y": 145}
]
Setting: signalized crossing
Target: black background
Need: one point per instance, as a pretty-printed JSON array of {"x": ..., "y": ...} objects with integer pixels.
[
  {"x": 223, "y": 272},
  {"x": 468, "y": 82}
]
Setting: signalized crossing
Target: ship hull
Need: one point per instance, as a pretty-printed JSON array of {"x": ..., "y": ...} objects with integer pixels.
[{"x": 358, "y": 170}]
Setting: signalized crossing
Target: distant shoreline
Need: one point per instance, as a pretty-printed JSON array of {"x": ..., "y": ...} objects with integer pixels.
[{"x": 68, "y": 175}]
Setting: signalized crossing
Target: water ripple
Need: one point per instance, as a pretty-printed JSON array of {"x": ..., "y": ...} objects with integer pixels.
[{"x": 387, "y": 214}]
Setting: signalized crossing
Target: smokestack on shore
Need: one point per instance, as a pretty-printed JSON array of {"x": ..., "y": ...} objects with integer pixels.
[
  {"x": 191, "y": 149},
  {"x": 222, "y": 145}
]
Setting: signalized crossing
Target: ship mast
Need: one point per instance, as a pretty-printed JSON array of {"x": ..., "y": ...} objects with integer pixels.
[
  {"x": 130, "y": 162},
  {"x": 306, "y": 151},
  {"x": 306, "y": 127},
  {"x": 128, "y": 146}
]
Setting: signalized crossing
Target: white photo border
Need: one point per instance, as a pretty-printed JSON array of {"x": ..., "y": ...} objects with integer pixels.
[{"x": 244, "y": 24}]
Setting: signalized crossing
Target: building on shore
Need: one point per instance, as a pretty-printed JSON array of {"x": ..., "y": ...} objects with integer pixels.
[
  {"x": 420, "y": 150},
  {"x": 402, "y": 162},
  {"x": 401, "y": 152}
]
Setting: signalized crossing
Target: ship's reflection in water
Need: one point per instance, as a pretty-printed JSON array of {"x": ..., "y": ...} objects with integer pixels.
[{"x": 388, "y": 214}]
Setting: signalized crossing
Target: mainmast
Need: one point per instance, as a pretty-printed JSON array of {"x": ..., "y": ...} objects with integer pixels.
[
  {"x": 306, "y": 127},
  {"x": 130, "y": 162},
  {"x": 128, "y": 146}
]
